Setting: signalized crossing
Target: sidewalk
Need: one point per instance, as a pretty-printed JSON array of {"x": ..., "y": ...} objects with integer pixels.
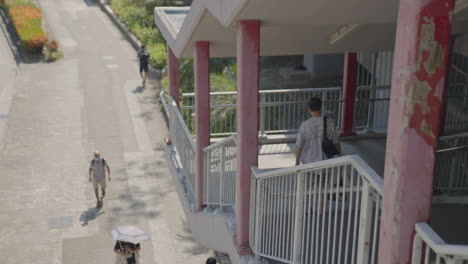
[{"x": 60, "y": 113}]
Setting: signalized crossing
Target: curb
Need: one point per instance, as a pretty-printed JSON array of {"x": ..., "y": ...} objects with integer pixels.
[
  {"x": 126, "y": 32},
  {"x": 12, "y": 38}
]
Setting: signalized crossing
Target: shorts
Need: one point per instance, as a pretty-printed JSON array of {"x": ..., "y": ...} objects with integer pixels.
[
  {"x": 99, "y": 181},
  {"x": 144, "y": 67}
]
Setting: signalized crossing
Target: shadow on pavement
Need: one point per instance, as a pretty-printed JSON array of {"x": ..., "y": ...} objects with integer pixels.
[
  {"x": 139, "y": 89},
  {"x": 89, "y": 215}
]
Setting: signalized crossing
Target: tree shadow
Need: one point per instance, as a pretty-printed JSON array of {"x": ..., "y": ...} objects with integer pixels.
[{"x": 89, "y": 215}]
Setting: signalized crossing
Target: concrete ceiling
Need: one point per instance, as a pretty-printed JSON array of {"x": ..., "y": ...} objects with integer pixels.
[{"x": 292, "y": 27}]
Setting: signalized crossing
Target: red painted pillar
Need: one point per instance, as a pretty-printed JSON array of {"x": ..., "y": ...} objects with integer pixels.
[
  {"x": 173, "y": 72},
  {"x": 248, "y": 40},
  {"x": 201, "y": 68},
  {"x": 419, "y": 72},
  {"x": 349, "y": 93}
]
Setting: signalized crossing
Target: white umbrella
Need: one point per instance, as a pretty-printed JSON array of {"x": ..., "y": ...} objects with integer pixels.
[{"x": 130, "y": 234}]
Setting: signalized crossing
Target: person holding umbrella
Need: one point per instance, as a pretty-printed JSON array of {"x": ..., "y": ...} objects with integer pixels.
[
  {"x": 127, "y": 253},
  {"x": 127, "y": 246}
]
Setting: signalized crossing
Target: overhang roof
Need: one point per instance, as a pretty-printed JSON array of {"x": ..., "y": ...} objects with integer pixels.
[{"x": 292, "y": 27}]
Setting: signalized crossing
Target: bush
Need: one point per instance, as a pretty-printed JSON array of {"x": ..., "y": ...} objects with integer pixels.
[
  {"x": 27, "y": 21},
  {"x": 138, "y": 17},
  {"x": 52, "y": 45},
  {"x": 158, "y": 54}
]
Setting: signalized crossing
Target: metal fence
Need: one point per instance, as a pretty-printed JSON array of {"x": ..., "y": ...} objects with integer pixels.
[
  {"x": 374, "y": 78},
  {"x": 281, "y": 111},
  {"x": 457, "y": 106},
  {"x": 220, "y": 173},
  {"x": 428, "y": 247},
  {"x": 183, "y": 141},
  {"x": 323, "y": 212},
  {"x": 451, "y": 174}
]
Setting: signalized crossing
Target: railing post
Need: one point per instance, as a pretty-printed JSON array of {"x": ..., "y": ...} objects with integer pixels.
[
  {"x": 365, "y": 225},
  {"x": 370, "y": 119},
  {"x": 221, "y": 177},
  {"x": 262, "y": 114},
  {"x": 299, "y": 212},
  {"x": 417, "y": 250},
  {"x": 258, "y": 210},
  {"x": 209, "y": 178}
]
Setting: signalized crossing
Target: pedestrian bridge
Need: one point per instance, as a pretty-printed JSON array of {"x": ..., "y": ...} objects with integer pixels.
[{"x": 324, "y": 212}]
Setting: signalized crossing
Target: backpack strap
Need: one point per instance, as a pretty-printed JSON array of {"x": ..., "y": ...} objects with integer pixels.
[{"x": 325, "y": 127}]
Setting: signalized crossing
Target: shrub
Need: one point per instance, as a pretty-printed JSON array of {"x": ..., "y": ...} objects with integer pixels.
[
  {"x": 27, "y": 21},
  {"x": 139, "y": 19},
  {"x": 158, "y": 54},
  {"x": 52, "y": 45}
]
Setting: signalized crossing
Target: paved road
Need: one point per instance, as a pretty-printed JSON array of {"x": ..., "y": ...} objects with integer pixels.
[{"x": 60, "y": 113}]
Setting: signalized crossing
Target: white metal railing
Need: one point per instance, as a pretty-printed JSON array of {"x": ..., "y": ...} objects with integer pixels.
[
  {"x": 219, "y": 179},
  {"x": 451, "y": 173},
  {"x": 372, "y": 108},
  {"x": 281, "y": 111},
  {"x": 428, "y": 247},
  {"x": 183, "y": 141},
  {"x": 323, "y": 212}
]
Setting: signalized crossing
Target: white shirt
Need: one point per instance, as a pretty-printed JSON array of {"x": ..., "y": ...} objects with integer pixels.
[{"x": 310, "y": 138}]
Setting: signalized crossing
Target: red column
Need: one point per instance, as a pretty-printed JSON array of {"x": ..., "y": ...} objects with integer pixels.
[
  {"x": 173, "y": 71},
  {"x": 201, "y": 68},
  {"x": 419, "y": 72},
  {"x": 248, "y": 40},
  {"x": 349, "y": 93}
]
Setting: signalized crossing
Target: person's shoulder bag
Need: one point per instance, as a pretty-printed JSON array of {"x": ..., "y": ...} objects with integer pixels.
[{"x": 328, "y": 147}]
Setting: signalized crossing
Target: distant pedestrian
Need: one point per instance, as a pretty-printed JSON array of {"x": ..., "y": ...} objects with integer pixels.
[
  {"x": 211, "y": 261},
  {"x": 127, "y": 253},
  {"x": 144, "y": 57},
  {"x": 97, "y": 175},
  {"x": 311, "y": 132}
]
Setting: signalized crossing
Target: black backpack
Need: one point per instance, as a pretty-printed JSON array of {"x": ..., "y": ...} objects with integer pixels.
[{"x": 328, "y": 147}]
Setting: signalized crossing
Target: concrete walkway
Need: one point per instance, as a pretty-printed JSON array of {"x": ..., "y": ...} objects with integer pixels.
[{"x": 60, "y": 113}]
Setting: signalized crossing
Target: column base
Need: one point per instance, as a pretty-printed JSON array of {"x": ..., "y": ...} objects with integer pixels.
[
  {"x": 348, "y": 134},
  {"x": 242, "y": 250}
]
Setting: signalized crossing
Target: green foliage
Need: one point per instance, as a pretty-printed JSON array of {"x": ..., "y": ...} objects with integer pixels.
[
  {"x": 165, "y": 85},
  {"x": 138, "y": 16},
  {"x": 19, "y": 2},
  {"x": 158, "y": 54},
  {"x": 186, "y": 75}
]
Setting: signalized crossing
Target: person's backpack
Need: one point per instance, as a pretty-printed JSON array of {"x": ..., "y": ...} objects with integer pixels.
[
  {"x": 103, "y": 162},
  {"x": 144, "y": 56},
  {"x": 328, "y": 147}
]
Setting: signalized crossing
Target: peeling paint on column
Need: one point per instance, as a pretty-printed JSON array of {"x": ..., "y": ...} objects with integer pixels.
[
  {"x": 418, "y": 95},
  {"x": 426, "y": 128},
  {"x": 419, "y": 72},
  {"x": 427, "y": 43}
]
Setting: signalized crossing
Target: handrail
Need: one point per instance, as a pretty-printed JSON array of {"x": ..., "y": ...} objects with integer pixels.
[
  {"x": 165, "y": 104},
  {"x": 437, "y": 244},
  {"x": 274, "y": 91},
  {"x": 360, "y": 165},
  {"x": 181, "y": 120},
  {"x": 458, "y": 135},
  {"x": 219, "y": 143},
  {"x": 452, "y": 149}
]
